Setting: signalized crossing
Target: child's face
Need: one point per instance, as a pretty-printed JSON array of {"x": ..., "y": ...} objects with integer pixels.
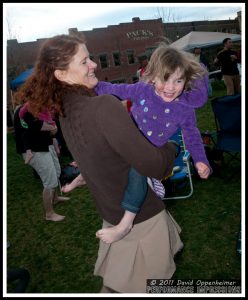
[{"x": 170, "y": 89}]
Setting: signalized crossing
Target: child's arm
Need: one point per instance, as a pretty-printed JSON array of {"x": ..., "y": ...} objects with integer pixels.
[
  {"x": 122, "y": 90},
  {"x": 194, "y": 144},
  {"x": 198, "y": 96}
]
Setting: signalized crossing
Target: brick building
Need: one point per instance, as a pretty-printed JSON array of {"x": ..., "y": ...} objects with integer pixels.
[{"x": 116, "y": 48}]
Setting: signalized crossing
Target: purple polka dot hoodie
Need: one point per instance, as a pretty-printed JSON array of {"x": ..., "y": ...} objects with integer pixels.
[{"x": 159, "y": 120}]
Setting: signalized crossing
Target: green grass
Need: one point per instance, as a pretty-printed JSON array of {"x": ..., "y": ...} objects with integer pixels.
[{"x": 61, "y": 256}]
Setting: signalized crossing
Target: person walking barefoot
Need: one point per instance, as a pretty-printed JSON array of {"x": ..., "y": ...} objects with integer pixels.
[{"x": 78, "y": 181}]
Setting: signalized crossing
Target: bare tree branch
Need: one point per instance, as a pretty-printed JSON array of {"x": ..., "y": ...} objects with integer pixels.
[
  {"x": 11, "y": 33},
  {"x": 167, "y": 14}
]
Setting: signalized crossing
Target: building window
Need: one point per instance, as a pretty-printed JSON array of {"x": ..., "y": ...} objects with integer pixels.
[
  {"x": 103, "y": 61},
  {"x": 130, "y": 56},
  {"x": 149, "y": 51},
  {"x": 117, "y": 58},
  {"x": 135, "y": 79}
]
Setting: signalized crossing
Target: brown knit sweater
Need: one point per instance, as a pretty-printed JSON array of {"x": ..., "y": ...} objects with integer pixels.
[{"x": 105, "y": 143}]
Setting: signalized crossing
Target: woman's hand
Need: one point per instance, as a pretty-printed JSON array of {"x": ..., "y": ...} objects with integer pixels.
[
  {"x": 56, "y": 146},
  {"x": 49, "y": 127},
  {"x": 54, "y": 130}
]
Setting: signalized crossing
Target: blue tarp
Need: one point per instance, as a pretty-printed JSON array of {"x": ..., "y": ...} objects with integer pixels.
[{"x": 19, "y": 80}]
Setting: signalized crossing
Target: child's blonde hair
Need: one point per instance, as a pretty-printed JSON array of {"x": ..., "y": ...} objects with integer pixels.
[{"x": 165, "y": 60}]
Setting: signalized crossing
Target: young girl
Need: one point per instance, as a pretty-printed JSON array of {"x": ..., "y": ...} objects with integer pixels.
[
  {"x": 45, "y": 116},
  {"x": 172, "y": 86}
]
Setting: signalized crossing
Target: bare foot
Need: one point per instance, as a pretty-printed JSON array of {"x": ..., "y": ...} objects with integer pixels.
[
  {"x": 78, "y": 181},
  {"x": 55, "y": 217},
  {"x": 61, "y": 199},
  {"x": 112, "y": 234},
  {"x": 66, "y": 188}
]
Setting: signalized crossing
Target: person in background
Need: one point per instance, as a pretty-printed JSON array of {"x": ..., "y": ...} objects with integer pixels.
[
  {"x": 200, "y": 58},
  {"x": 76, "y": 182},
  {"x": 45, "y": 116},
  {"x": 44, "y": 157},
  {"x": 105, "y": 148},
  {"x": 228, "y": 61}
]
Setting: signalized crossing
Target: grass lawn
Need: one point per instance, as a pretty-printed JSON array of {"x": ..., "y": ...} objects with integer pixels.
[{"x": 60, "y": 256}]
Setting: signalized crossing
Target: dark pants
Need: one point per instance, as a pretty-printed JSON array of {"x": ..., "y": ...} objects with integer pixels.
[
  {"x": 135, "y": 192},
  {"x": 20, "y": 274}
]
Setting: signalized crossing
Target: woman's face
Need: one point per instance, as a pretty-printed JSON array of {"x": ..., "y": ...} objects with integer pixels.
[
  {"x": 81, "y": 69},
  {"x": 171, "y": 88}
]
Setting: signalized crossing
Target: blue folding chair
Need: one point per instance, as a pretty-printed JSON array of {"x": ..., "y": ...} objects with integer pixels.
[
  {"x": 227, "y": 138},
  {"x": 182, "y": 172},
  {"x": 227, "y": 113}
]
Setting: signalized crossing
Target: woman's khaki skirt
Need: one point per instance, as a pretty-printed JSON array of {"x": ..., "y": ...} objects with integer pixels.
[{"x": 147, "y": 252}]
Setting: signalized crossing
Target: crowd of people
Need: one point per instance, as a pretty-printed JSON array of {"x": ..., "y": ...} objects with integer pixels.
[{"x": 122, "y": 157}]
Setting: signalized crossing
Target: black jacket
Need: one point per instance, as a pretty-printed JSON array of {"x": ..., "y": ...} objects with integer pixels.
[{"x": 32, "y": 138}]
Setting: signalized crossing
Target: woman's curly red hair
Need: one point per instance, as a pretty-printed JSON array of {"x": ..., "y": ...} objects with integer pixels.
[{"x": 42, "y": 89}]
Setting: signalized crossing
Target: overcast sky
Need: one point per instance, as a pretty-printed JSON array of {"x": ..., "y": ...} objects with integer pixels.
[{"x": 28, "y": 22}]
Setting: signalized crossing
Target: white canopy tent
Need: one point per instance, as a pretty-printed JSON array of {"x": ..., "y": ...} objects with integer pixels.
[{"x": 203, "y": 39}]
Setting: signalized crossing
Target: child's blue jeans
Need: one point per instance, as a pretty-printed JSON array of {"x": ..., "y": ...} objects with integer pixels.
[{"x": 135, "y": 192}]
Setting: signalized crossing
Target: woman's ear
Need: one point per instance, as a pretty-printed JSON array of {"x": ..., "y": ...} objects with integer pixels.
[{"x": 60, "y": 75}]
